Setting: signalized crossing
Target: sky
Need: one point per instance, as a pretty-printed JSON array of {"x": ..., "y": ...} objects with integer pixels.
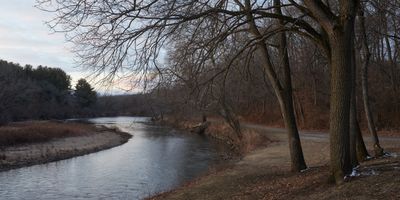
[{"x": 26, "y": 39}]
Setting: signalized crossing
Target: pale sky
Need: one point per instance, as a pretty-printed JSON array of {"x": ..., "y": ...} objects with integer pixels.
[{"x": 25, "y": 39}]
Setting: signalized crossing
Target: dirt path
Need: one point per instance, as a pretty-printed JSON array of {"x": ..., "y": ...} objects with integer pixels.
[
  {"x": 264, "y": 173},
  {"x": 308, "y": 135}
]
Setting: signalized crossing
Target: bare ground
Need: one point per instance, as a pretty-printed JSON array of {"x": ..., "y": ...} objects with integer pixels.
[
  {"x": 264, "y": 174},
  {"x": 80, "y": 139}
]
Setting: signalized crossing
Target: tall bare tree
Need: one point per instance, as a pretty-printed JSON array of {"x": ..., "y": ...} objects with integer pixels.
[
  {"x": 119, "y": 35},
  {"x": 124, "y": 33},
  {"x": 286, "y": 97},
  {"x": 364, "y": 80}
]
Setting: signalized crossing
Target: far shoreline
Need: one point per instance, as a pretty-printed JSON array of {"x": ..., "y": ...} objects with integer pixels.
[{"x": 72, "y": 140}]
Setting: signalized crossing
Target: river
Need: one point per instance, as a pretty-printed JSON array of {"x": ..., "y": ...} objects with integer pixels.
[{"x": 156, "y": 159}]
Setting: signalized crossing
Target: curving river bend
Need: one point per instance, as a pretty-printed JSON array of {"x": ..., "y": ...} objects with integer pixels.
[{"x": 156, "y": 159}]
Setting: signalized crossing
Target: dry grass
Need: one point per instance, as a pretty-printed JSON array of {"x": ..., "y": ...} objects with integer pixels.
[
  {"x": 179, "y": 123},
  {"x": 34, "y": 131},
  {"x": 264, "y": 173},
  {"x": 277, "y": 183},
  {"x": 313, "y": 184},
  {"x": 250, "y": 140},
  {"x": 224, "y": 134}
]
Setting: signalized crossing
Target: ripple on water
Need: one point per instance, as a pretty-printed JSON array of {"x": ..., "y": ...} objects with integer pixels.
[{"x": 155, "y": 159}]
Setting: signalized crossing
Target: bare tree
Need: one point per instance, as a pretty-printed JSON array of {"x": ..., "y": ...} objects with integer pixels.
[
  {"x": 121, "y": 35},
  {"x": 364, "y": 80},
  {"x": 124, "y": 33},
  {"x": 286, "y": 97}
]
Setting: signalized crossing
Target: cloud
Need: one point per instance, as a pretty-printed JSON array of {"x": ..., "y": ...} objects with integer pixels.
[{"x": 25, "y": 39}]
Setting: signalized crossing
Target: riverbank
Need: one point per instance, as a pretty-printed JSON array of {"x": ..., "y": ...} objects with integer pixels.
[
  {"x": 37, "y": 142},
  {"x": 220, "y": 132},
  {"x": 265, "y": 174}
]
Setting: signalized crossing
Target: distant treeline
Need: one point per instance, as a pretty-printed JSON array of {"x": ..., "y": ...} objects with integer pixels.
[
  {"x": 41, "y": 93},
  {"x": 46, "y": 93},
  {"x": 134, "y": 105}
]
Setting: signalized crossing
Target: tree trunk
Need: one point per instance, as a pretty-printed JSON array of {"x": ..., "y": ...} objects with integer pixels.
[
  {"x": 283, "y": 92},
  {"x": 353, "y": 134},
  {"x": 303, "y": 118},
  {"x": 296, "y": 152},
  {"x": 286, "y": 104},
  {"x": 339, "y": 35},
  {"x": 337, "y": 40},
  {"x": 392, "y": 65},
  {"x": 353, "y": 114},
  {"x": 284, "y": 96},
  {"x": 364, "y": 82},
  {"x": 356, "y": 140},
  {"x": 341, "y": 50},
  {"x": 298, "y": 106},
  {"x": 362, "y": 153},
  {"x": 230, "y": 117}
]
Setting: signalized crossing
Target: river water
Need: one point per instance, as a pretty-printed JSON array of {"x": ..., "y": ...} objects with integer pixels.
[{"x": 155, "y": 159}]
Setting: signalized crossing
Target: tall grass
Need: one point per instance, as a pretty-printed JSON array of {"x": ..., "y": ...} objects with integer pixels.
[
  {"x": 34, "y": 132},
  {"x": 250, "y": 141},
  {"x": 222, "y": 132}
]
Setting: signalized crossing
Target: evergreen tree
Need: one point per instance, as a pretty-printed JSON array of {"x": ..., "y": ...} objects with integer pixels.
[{"x": 85, "y": 94}]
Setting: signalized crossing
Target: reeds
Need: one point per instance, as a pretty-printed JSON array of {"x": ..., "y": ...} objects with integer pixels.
[{"x": 35, "y": 131}]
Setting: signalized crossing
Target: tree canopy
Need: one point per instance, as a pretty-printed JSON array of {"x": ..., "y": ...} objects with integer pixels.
[{"x": 210, "y": 44}]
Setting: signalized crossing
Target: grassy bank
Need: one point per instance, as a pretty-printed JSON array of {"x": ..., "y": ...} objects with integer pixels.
[
  {"x": 36, "y": 142},
  {"x": 265, "y": 174},
  {"x": 277, "y": 184},
  {"x": 222, "y": 133},
  {"x": 19, "y": 133}
]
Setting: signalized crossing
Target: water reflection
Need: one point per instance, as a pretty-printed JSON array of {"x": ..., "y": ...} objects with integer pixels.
[{"x": 155, "y": 159}]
